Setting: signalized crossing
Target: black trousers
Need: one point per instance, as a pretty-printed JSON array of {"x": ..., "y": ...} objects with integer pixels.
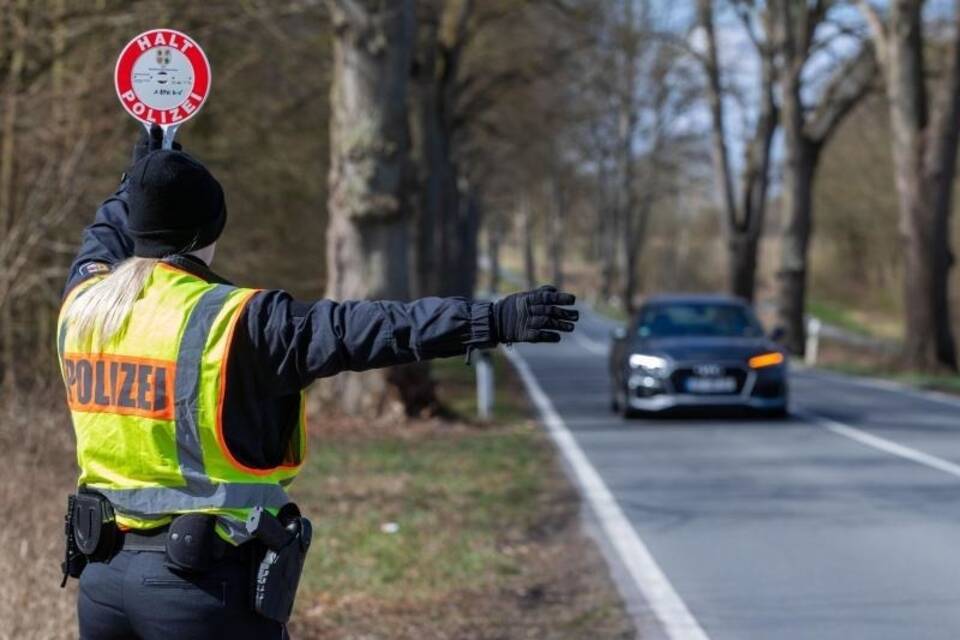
[{"x": 136, "y": 597}]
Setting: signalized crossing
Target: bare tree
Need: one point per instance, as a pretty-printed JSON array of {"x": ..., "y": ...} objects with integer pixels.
[
  {"x": 807, "y": 126},
  {"x": 744, "y": 208},
  {"x": 925, "y": 119},
  {"x": 8, "y": 149},
  {"x": 368, "y": 233}
]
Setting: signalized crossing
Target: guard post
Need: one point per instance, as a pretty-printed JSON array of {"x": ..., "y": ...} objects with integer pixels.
[{"x": 483, "y": 363}]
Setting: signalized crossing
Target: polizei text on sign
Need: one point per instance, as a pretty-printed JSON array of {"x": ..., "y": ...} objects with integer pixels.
[{"x": 162, "y": 77}]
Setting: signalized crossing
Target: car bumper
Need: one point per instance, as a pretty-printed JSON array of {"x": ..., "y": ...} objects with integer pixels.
[
  {"x": 764, "y": 390},
  {"x": 665, "y": 402}
]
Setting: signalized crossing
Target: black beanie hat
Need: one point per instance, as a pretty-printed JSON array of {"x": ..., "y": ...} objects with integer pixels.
[{"x": 176, "y": 205}]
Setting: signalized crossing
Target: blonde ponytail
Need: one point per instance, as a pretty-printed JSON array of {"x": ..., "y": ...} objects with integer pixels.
[{"x": 101, "y": 311}]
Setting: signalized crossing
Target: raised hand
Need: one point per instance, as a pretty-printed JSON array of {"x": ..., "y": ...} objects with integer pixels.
[{"x": 534, "y": 316}]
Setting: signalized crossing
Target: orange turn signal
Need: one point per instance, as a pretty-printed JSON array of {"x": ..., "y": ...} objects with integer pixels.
[{"x": 766, "y": 360}]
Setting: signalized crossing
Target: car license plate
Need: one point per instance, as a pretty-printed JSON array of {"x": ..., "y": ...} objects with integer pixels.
[{"x": 698, "y": 384}]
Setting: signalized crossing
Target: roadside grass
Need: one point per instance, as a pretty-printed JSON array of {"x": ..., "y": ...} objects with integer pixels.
[
  {"x": 449, "y": 530},
  {"x": 873, "y": 323},
  {"x": 948, "y": 383},
  {"x": 612, "y": 311},
  {"x": 837, "y": 316}
]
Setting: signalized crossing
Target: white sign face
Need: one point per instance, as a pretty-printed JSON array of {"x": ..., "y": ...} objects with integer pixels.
[{"x": 162, "y": 77}]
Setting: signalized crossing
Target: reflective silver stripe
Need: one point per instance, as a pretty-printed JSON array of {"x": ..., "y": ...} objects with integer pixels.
[
  {"x": 187, "y": 391},
  {"x": 236, "y": 529},
  {"x": 153, "y": 501}
]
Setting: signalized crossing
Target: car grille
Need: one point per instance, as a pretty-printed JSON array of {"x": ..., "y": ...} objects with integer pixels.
[{"x": 680, "y": 376}]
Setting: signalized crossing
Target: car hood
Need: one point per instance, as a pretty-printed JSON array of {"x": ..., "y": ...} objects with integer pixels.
[{"x": 695, "y": 349}]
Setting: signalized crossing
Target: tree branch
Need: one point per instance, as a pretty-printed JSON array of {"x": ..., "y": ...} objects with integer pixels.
[
  {"x": 721, "y": 158},
  {"x": 878, "y": 32},
  {"x": 846, "y": 87}
]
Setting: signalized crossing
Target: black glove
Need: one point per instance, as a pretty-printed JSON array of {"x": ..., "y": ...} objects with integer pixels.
[
  {"x": 531, "y": 316},
  {"x": 148, "y": 142}
]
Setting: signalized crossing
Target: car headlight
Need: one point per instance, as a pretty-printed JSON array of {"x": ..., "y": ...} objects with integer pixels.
[
  {"x": 763, "y": 360},
  {"x": 650, "y": 364}
]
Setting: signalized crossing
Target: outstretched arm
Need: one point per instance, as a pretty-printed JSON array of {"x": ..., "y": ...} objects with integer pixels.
[{"x": 296, "y": 343}]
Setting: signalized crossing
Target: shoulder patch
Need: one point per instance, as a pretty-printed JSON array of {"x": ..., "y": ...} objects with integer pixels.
[{"x": 94, "y": 268}]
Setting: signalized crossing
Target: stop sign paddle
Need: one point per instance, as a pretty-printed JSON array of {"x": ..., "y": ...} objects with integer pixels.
[{"x": 162, "y": 77}]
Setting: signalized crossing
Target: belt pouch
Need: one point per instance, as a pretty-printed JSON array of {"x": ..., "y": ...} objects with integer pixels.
[
  {"x": 95, "y": 530},
  {"x": 192, "y": 543}
]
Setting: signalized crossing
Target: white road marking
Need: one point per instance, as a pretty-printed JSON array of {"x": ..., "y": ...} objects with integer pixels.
[
  {"x": 882, "y": 444},
  {"x": 595, "y": 347},
  {"x": 677, "y": 621}
]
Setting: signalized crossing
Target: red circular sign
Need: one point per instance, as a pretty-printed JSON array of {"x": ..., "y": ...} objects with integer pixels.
[{"x": 163, "y": 77}]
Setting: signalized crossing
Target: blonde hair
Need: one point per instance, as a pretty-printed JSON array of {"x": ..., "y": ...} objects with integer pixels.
[{"x": 101, "y": 311}]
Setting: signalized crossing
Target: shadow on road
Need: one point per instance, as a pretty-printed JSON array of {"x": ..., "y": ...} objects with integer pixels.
[{"x": 712, "y": 414}]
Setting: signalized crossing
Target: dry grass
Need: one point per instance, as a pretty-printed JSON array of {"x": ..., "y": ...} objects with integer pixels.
[{"x": 38, "y": 454}]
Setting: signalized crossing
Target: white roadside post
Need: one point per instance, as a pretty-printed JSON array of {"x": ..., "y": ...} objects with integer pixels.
[
  {"x": 813, "y": 341},
  {"x": 483, "y": 363},
  {"x": 162, "y": 77}
]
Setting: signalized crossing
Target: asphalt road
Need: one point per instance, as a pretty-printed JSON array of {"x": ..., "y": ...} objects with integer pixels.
[{"x": 841, "y": 522}]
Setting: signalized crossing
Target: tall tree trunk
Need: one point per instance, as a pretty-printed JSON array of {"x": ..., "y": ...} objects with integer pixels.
[
  {"x": 806, "y": 129},
  {"x": 463, "y": 281},
  {"x": 799, "y": 172},
  {"x": 368, "y": 234},
  {"x": 742, "y": 267},
  {"x": 527, "y": 230},
  {"x": 446, "y": 221},
  {"x": 556, "y": 227},
  {"x": 423, "y": 129},
  {"x": 494, "y": 239},
  {"x": 436, "y": 197},
  {"x": 8, "y": 155},
  {"x": 924, "y": 153},
  {"x": 743, "y": 219},
  {"x": 609, "y": 247},
  {"x": 627, "y": 203}
]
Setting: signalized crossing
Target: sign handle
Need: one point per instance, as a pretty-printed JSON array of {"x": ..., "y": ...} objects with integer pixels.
[{"x": 169, "y": 133}]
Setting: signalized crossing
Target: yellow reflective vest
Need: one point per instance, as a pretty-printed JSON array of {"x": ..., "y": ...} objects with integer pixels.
[{"x": 147, "y": 409}]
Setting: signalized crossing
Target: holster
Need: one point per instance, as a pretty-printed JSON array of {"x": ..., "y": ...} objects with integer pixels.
[
  {"x": 285, "y": 539},
  {"x": 73, "y": 561}
]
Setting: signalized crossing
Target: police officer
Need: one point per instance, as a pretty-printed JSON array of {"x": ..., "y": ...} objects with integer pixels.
[{"x": 186, "y": 398}]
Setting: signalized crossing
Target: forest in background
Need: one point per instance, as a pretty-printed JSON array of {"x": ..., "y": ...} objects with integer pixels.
[{"x": 620, "y": 148}]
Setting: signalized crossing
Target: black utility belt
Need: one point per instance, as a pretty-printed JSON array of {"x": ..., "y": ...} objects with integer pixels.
[{"x": 192, "y": 546}]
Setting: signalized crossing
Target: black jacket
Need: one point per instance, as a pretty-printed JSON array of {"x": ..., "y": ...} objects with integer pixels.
[{"x": 281, "y": 345}]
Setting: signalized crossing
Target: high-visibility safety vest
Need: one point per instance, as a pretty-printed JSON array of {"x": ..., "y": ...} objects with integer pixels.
[{"x": 147, "y": 409}]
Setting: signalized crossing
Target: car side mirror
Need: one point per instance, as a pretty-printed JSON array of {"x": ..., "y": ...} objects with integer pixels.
[
  {"x": 619, "y": 333},
  {"x": 777, "y": 334}
]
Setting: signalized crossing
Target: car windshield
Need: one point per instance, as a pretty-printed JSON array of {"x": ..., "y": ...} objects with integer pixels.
[{"x": 698, "y": 319}]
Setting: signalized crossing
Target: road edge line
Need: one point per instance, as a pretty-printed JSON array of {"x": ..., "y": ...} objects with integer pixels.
[
  {"x": 881, "y": 444},
  {"x": 663, "y": 600}
]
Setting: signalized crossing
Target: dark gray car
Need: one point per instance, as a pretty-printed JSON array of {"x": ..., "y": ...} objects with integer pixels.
[{"x": 696, "y": 351}]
